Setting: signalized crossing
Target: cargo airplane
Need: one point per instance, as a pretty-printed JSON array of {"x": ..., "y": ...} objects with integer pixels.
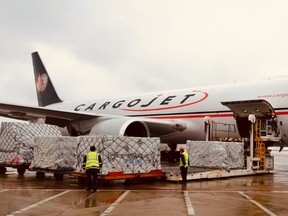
[{"x": 174, "y": 116}]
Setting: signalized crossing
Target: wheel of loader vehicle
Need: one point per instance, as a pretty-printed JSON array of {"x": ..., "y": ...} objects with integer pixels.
[
  {"x": 40, "y": 175},
  {"x": 3, "y": 170},
  {"x": 21, "y": 170},
  {"x": 58, "y": 176},
  {"x": 81, "y": 180},
  {"x": 105, "y": 182}
]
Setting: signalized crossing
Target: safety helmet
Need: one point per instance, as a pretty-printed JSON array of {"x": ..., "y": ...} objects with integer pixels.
[{"x": 181, "y": 149}]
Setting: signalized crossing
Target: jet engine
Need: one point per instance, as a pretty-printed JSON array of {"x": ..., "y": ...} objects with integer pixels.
[{"x": 121, "y": 127}]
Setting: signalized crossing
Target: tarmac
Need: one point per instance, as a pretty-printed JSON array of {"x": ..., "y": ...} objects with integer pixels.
[{"x": 250, "y": 195}]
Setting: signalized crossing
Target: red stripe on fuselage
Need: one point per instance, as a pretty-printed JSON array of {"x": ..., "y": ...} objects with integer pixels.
[
  {"x": 192, "y": 116},
  {"x": 282, "y": 113},
  {"x": 219, "y": 115}
]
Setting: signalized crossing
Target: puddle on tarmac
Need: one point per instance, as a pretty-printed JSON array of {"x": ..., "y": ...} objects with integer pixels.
[{"x": 101, "y": 199}]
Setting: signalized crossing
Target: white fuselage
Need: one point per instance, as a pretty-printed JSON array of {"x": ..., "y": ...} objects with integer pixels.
[{"x": 192, "y": 105}]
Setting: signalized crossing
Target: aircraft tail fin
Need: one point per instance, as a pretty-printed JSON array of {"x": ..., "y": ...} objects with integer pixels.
[{"x": 46, "y": 93}]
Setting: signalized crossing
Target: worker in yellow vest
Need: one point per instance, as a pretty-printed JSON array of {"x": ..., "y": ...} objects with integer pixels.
[
  {"x": 93, "y": 164},
  {"x": 184, "y": 163}
]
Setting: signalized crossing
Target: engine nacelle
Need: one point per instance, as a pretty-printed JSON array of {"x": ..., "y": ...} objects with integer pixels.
[{"x": 121, "y": 127}]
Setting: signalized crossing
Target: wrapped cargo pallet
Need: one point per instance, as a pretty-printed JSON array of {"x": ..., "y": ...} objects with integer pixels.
[
  {"x": 126, "y": 155},
  {"x": 17, "y": 141},
  {"x": 215, "y": 154},
  {"x": 54, "y": 154}
]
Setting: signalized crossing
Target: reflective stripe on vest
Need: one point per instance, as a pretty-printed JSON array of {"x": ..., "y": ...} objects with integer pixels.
[
  {"x": 92, "y": 160},
  {"x": 186, "y": 159}
]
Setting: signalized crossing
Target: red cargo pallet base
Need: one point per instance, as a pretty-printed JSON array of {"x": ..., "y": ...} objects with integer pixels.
[{"x": 121, "y": 175}]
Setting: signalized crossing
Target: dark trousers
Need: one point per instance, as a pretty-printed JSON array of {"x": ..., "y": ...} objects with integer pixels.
[
  {"x": 92, "y": 179},
  {"x": 184, "y": 173}
]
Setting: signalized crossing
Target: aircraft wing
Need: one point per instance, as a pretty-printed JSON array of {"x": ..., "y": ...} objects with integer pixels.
[
  {"x": 63, "y": 118},
  {"x": 26, "y": 113}
]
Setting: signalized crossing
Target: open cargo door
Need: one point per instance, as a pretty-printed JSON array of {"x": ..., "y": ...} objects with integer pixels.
[{"x": 242, "y": 109}]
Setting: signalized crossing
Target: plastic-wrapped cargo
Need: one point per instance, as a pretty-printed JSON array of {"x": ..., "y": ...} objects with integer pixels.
[
  {"x": 215, "y": 154},
  {"x": 119, "y": 154},
  {"x": 54, "y": 153},
  {"x": 17, "y": 141}
]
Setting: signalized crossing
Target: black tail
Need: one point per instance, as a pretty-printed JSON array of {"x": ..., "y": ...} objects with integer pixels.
[{"x": 46, "y": 93}]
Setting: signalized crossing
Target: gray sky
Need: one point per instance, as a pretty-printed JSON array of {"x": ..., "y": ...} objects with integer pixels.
[{"x": 110, "y": 48}]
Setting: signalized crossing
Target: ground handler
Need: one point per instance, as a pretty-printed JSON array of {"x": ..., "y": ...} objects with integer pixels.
[
  {"x": 93, "y": 165},
  {"x": 184, "y": 163}
]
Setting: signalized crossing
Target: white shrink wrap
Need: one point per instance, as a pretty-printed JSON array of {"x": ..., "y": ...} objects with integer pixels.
[
  {"x": 17, "y": 141},
  {"x": 216, "y": 154},
  {"x": 121, "y": 154},
  {"x": 54, "y": 153}
]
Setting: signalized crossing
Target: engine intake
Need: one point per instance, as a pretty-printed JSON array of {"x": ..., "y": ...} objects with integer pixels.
[{"x": 121, "y": 127}]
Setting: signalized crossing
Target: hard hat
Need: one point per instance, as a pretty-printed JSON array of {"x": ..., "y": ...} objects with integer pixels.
[{"x": 181, "y": 149}]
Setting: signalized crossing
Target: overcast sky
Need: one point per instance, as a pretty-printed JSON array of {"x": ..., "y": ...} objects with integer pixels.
[{"x": 113, "y": 48}]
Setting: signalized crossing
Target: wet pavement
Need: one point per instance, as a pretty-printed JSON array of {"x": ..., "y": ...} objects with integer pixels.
[{"x": 249, "y": 195}]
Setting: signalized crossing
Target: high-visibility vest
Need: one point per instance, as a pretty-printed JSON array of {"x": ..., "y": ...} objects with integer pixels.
[
  {"x": 92, "y": 159},
  {"x": 186, "y": 157}
]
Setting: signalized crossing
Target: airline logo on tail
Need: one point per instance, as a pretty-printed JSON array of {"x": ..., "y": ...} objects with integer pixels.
[{"x": 42, "y": 81}]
